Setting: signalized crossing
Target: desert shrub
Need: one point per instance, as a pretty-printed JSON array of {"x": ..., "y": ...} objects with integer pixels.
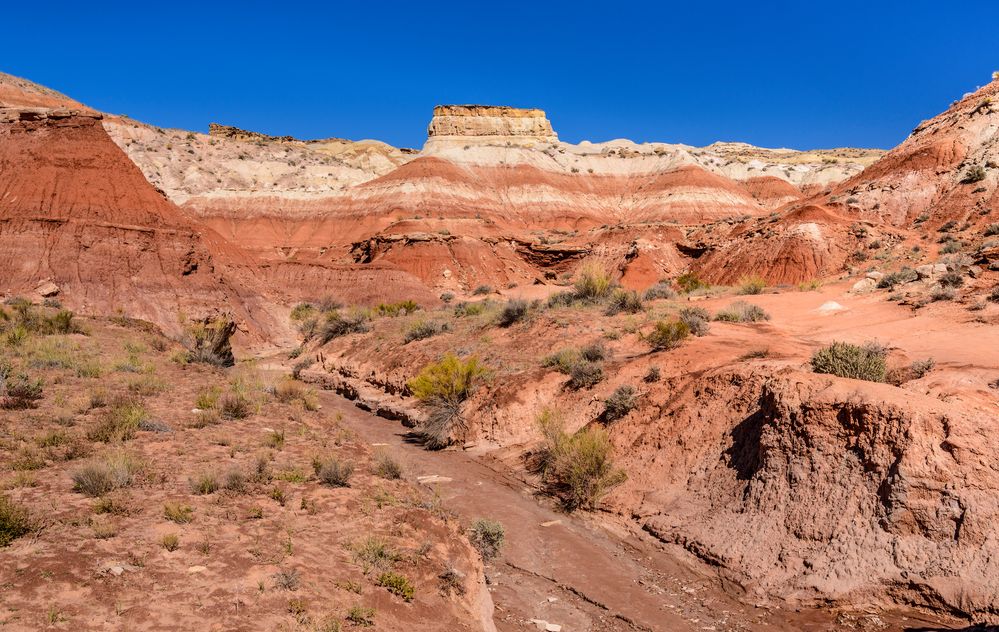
[
  {"x": 920, "y": 368},
  {"x": 334, "y": 472},
  {"x": 397, "y": 585},
  {"x": 859, "y": 362},
  {"x": 234, "y": 405},
  {"x": 652, "y": 375},
  {"x": 951, "y": 246},
  {"x": 621, "y": 402},
  {"x": 425, "y": 329},
  {"x": 951, "y": 278},
  {"x": 235, "y": 481},
  {"x": 942, "y": 293},
  {"x": 660, "y": 290},
  {"x": 464, "y": 309},
  {"x": 562, "y": 360},
  {"x": 452, "y": 582},
  {"x": 576, "y": 468},
  {"x": 447, "y": 297},
  {"x": 207, "y": 341},
  {"x": 513, "y": 312},
  {"x": 994, "y": 294},
  {"x": 482, "y": 290},
  {"x": 178, "y": 512},
  {"x": 388, "y": 467},
  {"x": 449, "y": 379},
  {"x": 19, "y": 390},
  {"x": 752, "y": 285},
  {"x": 289, "y": 579},
  {"x": 119, "y": 421},
  {"x": 204, "y": 484},
  {"x": 399, "y": 308},
  {"x": 337, "y": 325},
  {"x": 626, "y": 301},
  {"x": 373, "y": 552},
  {"x": 890, "y": 280},
  {"x": 742, "y": 312},
  {"x": 991, "y": 230},
  {"x": 303, "y": 311},
  {"x": 487, "y": 537},
  {"x": 594, "y": 352},
  {"x": 667, "y": 335},
  {"x": 688, "y": 282},
  {"x": 585, "y": 374},
  {"x": 592, "y": 284},
  {"x": 15, "y": 521},
  {"x": 113, "y": 471},
  {"x": 561, "y": 299},
  {"x": 974, "y": 174},
  {"x": 696, "y": 319},
  {"x": 361, "y": 615},
  {"x": 442, "y": 387}
]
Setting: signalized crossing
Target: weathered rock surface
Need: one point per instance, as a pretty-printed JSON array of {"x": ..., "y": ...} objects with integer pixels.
[{"x": 490, "y": 120}]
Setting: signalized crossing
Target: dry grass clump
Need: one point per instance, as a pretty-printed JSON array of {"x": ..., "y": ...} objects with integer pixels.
[
  {"x": 337, "y": 325},
  {"x": 666, "y": 335},
  {"x": 593, "y": 284},
  {"x": 858, "y": 362},
  {"x": 119, "y": 421},
  {"x": 624, "y": 301},
  {"x": 387, "y": 466},
  {"x": 662, "y": 289},
  {"x": 751, "y": 285},
  {"x": 576, "y": 468},
  {"x": 15, "y": 521},
  {"x": 19, "y": 391},
  {"x": 113, "y": 471},
  {"x": 374, "y": 552},
  {"x": 689, "y": 282},
  {"x": 333, "y": 472},
  {"x": 207, "y": 341},
  {"x": 513, "y": 312},
  {"x": 742, "y": 312},
  {"x": 425, "y": 329},
  {"x": 204, "y": 484},
  {"x": 178, "y": 512}
]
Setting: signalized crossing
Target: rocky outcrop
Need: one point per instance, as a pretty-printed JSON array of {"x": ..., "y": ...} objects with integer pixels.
[
  {"x": 490, "y": 120},
  {"x": 227, "y": 131}
]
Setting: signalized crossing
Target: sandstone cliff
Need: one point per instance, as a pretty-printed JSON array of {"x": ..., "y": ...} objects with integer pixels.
[{"x": 488, "y": 120}]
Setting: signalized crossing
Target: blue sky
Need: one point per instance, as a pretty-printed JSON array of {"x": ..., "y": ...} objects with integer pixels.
[{"x": 792, "y": 74}]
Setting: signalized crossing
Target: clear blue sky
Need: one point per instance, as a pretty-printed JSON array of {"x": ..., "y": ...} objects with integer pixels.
[{"x": 795, "y": 74}]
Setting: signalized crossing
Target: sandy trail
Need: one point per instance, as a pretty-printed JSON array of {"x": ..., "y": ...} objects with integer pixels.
[{"x": 572, "y": 572}]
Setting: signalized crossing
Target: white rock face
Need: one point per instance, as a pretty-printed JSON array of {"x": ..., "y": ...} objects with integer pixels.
[{"x": 490, "y": 120}]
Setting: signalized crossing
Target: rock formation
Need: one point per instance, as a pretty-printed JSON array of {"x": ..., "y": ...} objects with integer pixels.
[{"x": 472, "y": 121}]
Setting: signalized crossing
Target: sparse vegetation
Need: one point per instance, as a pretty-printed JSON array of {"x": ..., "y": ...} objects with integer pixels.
[
  {"x": 361, "y": 615},
  {"x": 119, "y": 421},
  {"x": 890, "y": 280},
  {"x": 621, "y": 402},
  {"x": 593, "y": 284},
  {"x": 974, "y": 174},
  {"x": 333, "y": 472},
  {"x": 425, "y": 329},
  {"x": 170, "y": 542},
  {"x": 487, "y": 537},
  {"x": 742, "y": 312},
  {"x": 652, "y": 375},
  {"x": 697, "y": 320},
  {"x": 688, "y": 282},
  {"x": 387, "y": 466},
  {"x": 667, "y": 335},
  {"x": 585, "y": 374},
  {"x": 442, "y": 387},
  {"x": 513, "y": 312},
  {"x": 626, "y": 301},
  {"x": 178, "y": 512},
  {"x": 15, "y": 521},
  {"x": 752, "y": 285},
  {"x": 337, "y": 325},
  {"x": 112, "y": 471},
  {"x": 660, "y": 290},
  {"x": 859, "y": 362},
  {"x": 396, "y": 584},
  {"x": 576, "y": 468}
]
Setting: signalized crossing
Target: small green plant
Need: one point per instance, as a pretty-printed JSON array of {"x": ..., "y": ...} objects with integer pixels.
[
  {"x": 688, "y": 282},
  {"x": 442, "y": 387},
  {"x": 337, "y": 325},
  {"x": 397, "y": 585},
  {"x": 119, "y": 421},
  {"x": 204, "y": 484},
  {"x": 207, "y": 398},
  {"x": 666, "y": 335},
  {"x": 974, "y": 174},
  {"x": 361, "y": 615},
  {"x": 859, "y": 362},
  {"x": 373, "y": 552},
  {"x": 621, "y": 402},
  {"x": 652, "y": 375},
  {"x": 487, "y": 537}
]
